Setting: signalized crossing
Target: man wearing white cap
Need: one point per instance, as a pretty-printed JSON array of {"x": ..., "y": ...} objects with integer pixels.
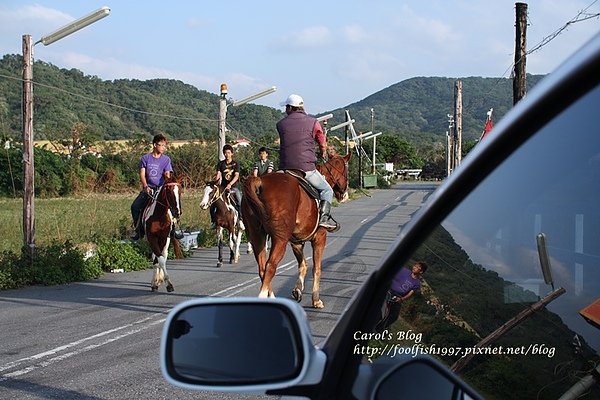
[{"x": 298, "y": 133}]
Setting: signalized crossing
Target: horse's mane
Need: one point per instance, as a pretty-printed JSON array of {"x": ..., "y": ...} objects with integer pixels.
[{"x": 176, "y": 245}]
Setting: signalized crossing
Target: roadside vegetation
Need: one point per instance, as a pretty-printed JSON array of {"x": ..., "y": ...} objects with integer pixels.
[
  {"x": 85, "y": 181},
  {"x": 82, "y": 206}
]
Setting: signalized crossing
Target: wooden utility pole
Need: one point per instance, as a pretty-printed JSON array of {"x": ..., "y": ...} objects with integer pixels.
[
  {"x": 222, "y": 119},
  {"x": 346, "y": 129},
  {"x": 457, "y": 123},
  {"x": 492, "y": 337},
  {"x": 519, "y": 80},
  {"x": 28, "y": 169},
  {"x": 450, "y": 145},
  {"x": 374, "y": 140},
  {"x": 448, "y": 153}
]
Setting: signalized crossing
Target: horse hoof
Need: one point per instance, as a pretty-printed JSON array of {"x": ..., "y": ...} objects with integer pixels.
[
  {"x": 153, "y": 288},
  {"x": 170, "y": 288},
  {"x": 297, "y": 294},
  {"x": 318, "y": 304}
]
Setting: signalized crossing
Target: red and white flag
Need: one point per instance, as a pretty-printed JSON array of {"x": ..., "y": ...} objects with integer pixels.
[{"x": 488, "y": 124}]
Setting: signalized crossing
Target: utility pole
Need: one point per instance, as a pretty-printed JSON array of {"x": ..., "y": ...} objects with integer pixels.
[
  {"x": 457, "y": 123},
  {"x": 346, "y": 119},
  {"x": 516, "y": 320},
  {"x": 28, "y": 153},
  {"x": 222, "y": 119},
  {"x": 28, "y": 168},
  {"x": 519, "y": 80},
  {"x": 450, "y": 145},
  {"x": 360, "y": 163},
  {"x": 374, "y": 138}
]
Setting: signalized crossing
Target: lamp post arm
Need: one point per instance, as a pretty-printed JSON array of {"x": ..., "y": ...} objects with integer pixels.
[{"x": 75, "y": 26}]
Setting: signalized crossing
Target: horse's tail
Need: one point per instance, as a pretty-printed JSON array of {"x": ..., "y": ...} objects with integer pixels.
[
  {"x": 252, "y": 188},
  {"x": 177, "y": 248}
]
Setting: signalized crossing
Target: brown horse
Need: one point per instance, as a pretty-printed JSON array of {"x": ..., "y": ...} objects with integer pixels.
[
  {"x": 159, "y": 217},
  {"x": 224, "y": 216},
  {"x": 276, "y": 205}
]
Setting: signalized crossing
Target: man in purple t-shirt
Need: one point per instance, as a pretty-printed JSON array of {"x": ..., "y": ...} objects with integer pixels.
[
  {"x": 404, "y": 285},
  {"x": 154, "y": 168}
]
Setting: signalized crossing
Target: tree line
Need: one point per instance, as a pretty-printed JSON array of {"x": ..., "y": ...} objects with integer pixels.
[
  {"x": 414, "y": 110},
  {"x": 78, "y": 164}
]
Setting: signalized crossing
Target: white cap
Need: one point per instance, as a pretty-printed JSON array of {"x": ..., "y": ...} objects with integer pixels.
[{"x": 293, "y": 100}]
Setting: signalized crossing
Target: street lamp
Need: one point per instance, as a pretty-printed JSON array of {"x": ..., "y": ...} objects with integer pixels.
[
  {"x": 223, "y": 112},
  {"x": 28, "y": 155}
]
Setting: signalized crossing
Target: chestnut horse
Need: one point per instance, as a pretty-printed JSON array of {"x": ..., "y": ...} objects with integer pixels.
[
  {"x": 159, "y": 217},
  {"x": 224, "y": 216},
  {"x": 276, "y": 205}
]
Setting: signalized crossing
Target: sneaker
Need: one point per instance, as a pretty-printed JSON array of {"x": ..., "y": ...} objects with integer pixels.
[
  {"x": 330, "y": 225},
  {"x": 177, "y": 234},
  {"x": 135, "y": 236}
]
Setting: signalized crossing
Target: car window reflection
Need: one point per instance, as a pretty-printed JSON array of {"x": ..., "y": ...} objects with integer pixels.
[{"x": 484, "y": 268}]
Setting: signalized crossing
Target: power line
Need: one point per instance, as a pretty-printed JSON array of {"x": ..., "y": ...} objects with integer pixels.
[{"x": 580, "y": 17}]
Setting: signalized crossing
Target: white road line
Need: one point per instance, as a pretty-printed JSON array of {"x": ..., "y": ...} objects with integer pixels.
[
  {"x": 50, "y": 357},
  {"x": 50, "y": 361}
]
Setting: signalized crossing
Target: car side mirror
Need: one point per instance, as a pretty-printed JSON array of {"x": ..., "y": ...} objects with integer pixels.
[
  {"x": 225, "y": 344},
  {"x": 421, "y": 378}
]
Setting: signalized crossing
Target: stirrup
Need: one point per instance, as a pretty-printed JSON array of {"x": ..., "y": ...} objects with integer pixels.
[
  {"x": 330, "y": 224},
  {"x": 176, "y": 233}
]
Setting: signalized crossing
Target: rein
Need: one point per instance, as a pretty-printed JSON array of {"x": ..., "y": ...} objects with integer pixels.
[
  {"x": 329, "y": 167},
  {"x": 168, "y": 204},
  {"x": 217, "y": 194}
]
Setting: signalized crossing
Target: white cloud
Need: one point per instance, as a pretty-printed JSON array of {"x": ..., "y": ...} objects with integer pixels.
[
  {"x": 34, "y": 17},
  {"x": 305, "y": 39},
  {"x": 355, "y": 34},
  {"x": 197, "y": 23},
  {"x": 110, "y": 68}
]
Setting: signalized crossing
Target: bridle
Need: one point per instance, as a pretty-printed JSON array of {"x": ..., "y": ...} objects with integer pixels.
[
  {"x": 216, "y": 194},
  {"x": 329, "y": 166},
  {"x": 168, "y": 202}
]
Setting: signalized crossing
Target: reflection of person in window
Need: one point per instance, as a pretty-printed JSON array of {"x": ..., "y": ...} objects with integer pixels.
[
  {"x": 404, "y": 285},
  {"x": 181, "y": 327}
]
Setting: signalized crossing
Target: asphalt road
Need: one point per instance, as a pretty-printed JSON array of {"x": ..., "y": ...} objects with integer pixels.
[{"x": 100, "y": 339}]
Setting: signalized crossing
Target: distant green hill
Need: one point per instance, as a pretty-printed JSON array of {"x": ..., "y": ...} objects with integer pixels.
[
  {"x": 416, "y": 109},
  {"x": 121, "y": 109},
  {"x": 478, "y": 303},
  {"x": 419, "y": 106}
]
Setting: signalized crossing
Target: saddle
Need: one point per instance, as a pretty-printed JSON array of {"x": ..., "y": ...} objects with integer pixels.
[
  {"x": 308, "y": 188},
  {"x": 150, "y": 205}
]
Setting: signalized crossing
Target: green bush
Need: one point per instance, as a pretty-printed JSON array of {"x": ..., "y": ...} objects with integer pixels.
[
  {"x": 114, "y": 254},
  {"x": 56, "y": 264}
]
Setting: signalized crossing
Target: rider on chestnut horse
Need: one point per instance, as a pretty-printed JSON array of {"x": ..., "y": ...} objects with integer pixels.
[{"x": 298, "y": 133}]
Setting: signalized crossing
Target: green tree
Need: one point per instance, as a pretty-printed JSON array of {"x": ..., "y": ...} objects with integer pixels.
[{"x": 392, "y": 149}]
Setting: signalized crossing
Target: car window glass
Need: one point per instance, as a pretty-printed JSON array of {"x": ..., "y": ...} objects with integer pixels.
[{"x": 484, "y": 268}]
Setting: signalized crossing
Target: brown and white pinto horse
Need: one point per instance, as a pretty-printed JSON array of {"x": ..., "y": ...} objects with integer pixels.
[
  {"x": 224, "y": 216},
  {"x": 276, "y": 205},
  {"x": 158, "y": 218}
]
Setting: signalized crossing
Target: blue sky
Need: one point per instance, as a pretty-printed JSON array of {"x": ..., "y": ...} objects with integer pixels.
[{"x": 331, "y": 53}]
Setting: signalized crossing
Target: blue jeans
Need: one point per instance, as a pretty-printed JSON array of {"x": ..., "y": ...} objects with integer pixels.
[
  {"x": 238, "y": 195},
  {"x": 318, "y": 181},
  {"x": 137, "y": 207}
]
